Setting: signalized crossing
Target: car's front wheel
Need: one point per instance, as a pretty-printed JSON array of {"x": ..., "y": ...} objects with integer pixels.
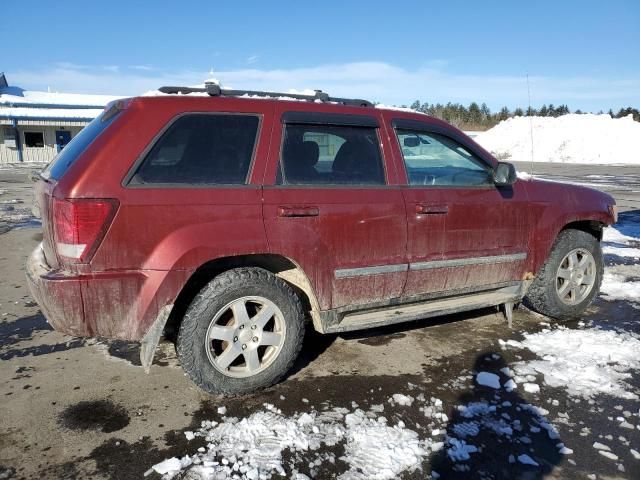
[
  {"x": 570, "y": 278},
  {"x": 242, "y": 332}
]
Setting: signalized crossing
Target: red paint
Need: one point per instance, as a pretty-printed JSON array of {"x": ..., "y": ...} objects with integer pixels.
[{"x": 160, "y": 236}]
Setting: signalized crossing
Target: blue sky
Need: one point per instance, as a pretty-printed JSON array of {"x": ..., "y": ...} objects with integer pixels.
[{"x": 583, "y": 53}]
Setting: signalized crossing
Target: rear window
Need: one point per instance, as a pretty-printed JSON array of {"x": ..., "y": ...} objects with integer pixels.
[
  {"x": 67, "y": 156},
  {"x": 201, "y": 149}
]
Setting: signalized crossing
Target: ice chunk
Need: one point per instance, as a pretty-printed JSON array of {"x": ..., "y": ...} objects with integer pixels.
[
  {"x": 167, "y": 466},
  {"x": 527, "y": 460},
  {"x": 488, "y": 379}
]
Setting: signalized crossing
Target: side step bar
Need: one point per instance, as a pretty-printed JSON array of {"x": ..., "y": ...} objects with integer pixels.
[{"x": 426, "y": 309}]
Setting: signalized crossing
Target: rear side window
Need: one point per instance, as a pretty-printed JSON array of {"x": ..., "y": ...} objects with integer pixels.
[
  {"x": 72, "y": 151},
  {"x": 330, "y": 155},
  {"x": 205, "y": 149}
]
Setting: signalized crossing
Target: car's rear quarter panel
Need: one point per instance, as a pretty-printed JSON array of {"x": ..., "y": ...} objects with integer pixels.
[{"x": 160, "y": 234}]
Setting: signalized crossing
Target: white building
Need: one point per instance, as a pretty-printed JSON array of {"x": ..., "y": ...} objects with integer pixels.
[{"x": 34, "y": 126}]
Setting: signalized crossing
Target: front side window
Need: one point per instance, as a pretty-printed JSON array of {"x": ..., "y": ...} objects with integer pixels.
[
  {"x": 434, "y": 159},
  {"x": 34, "y": 139},
  {"x": 330, "y": 155},
  {"x": 204, "y": 149}
]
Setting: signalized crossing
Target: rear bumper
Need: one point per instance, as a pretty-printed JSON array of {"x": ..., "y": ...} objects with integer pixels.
[
  {"x": 111, "y": 304},
  {"x": 59, "y": 297}
]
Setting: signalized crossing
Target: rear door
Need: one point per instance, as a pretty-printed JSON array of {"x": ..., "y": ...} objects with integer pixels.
[
  {"x": 464, "y": 232},
  {"x": 333, "y": 206}
]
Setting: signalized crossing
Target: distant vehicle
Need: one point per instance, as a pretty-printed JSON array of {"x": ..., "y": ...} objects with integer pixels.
[{"x": 232, "y": 217}]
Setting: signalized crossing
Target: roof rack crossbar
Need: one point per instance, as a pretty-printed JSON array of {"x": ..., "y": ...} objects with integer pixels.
[{"x": 214, "y": 90}]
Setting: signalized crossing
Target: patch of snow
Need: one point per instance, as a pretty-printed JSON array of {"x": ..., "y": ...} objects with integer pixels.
[
  {"x": 628, "y": 252},
  {"x": 586, "y": 362},
  {"x": 589, "y": 139},
  {"x": 28, "y": 112},
  {"x": 488, "y": 379},
  {"x": 253, "y": 447},
  {"x": 531, "y": 387},
  {"x": 618, "y": 287},
  {"x": 459, "y": 450}
]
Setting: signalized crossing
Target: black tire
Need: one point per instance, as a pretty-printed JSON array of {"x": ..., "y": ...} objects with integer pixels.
[
  {"x": 223, "y": 289},
  {"x": 542, "y": 295}
]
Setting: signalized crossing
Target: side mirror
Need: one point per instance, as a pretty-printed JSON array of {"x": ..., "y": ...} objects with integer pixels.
[{"x": 504, "y": 174}]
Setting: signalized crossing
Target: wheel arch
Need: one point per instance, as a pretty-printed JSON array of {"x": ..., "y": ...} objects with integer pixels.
[
  {"x": 281, "y": 266},
  {"x": 593, "y": 227}
]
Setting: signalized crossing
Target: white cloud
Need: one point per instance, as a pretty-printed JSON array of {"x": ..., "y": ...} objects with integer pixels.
[
  {"x": 253, "y": 59},
  {"x": 376, "y": 81}
]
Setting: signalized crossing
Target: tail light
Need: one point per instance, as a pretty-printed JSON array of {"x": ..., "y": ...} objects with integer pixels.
[{"x": 79, "y": 226}]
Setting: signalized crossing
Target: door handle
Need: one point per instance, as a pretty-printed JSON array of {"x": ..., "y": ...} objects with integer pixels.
[
  {"x": 423, "y": 209},
  {"x": 298, "y": 211}
]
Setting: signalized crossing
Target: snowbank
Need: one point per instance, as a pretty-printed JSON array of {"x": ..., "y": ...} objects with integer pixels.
[{"x": 586, "y": 138}]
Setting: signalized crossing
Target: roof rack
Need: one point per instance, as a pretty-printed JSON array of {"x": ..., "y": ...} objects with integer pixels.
[{"x": 214, "y": 90}]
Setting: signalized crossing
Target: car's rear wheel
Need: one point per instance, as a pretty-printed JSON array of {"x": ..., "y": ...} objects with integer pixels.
[
  {"x": 570, "y": 278},
  {"x": 242, "y": 332}
]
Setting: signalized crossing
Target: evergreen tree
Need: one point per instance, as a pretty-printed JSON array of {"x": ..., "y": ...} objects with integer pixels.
[
  {"x": 518, "y": 112},
  {"x": 552, "y": 110},
  {"x": 504, "y": 114},
  {"x": 544, "y": 111},
  {"x": 416, "y": 105}
]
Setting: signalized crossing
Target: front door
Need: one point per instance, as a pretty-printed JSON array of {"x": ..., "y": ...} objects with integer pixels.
[
  {"x": 331, "y": 210},
  {"x": 465, "y": 233}
]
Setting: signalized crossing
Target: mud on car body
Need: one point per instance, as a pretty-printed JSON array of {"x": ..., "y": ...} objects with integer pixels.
[{"x": 233, "y": 218}]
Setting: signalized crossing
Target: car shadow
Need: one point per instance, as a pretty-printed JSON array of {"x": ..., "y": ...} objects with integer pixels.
[
  {"x": 496, "y": 433},
  {"x": 315, "y": 344}
]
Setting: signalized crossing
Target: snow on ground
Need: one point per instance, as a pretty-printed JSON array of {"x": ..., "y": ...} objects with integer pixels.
[
  {"x": 268, "y": 444},
  {"x": 253, "y": 447},
  {"x": 620, "y": 242},
  {"x": 585, "y": 138},
  {"x": 618, "y": 287},
  {"x": 586, "y": 362}
]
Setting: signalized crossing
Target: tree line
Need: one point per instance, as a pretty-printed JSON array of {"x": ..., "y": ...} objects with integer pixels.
[{"x": 480, "y": 117}]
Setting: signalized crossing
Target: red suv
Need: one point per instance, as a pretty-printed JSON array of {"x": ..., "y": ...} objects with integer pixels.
[{"x": 232, "y": 217}]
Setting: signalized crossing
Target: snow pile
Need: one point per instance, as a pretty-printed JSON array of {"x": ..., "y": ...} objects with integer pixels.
[
  {"x": 621, "y": 241},
  {"x": 586, "y": 138},
  {"x": 586, "y": 362},
  {"x": 253, "y": 447}
]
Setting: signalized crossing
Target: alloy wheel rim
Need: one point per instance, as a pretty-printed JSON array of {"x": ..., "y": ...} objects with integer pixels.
[
  {"x": 576, "y": 276},
  {"x": 245, "y": 336}
]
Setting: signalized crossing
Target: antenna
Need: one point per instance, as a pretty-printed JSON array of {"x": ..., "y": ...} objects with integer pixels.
[{"x": 530, "y": 121}]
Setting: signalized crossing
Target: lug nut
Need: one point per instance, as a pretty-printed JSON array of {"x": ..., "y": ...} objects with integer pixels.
[
  {"x": 253, "y": 327},
  {"x": 255, "y": 339},
  {"x": 244, "y": 346},
  {"x": 235, "y": 339},
  {"x": 241, "y": 327}
]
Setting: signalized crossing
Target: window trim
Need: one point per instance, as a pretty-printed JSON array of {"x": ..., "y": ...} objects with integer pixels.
[
  {"x": 280, "y": 166},
  {"x": 420, "y": 127},
  {"x": 24, "y": 138},
  {"x": 126, "y": 181}
]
